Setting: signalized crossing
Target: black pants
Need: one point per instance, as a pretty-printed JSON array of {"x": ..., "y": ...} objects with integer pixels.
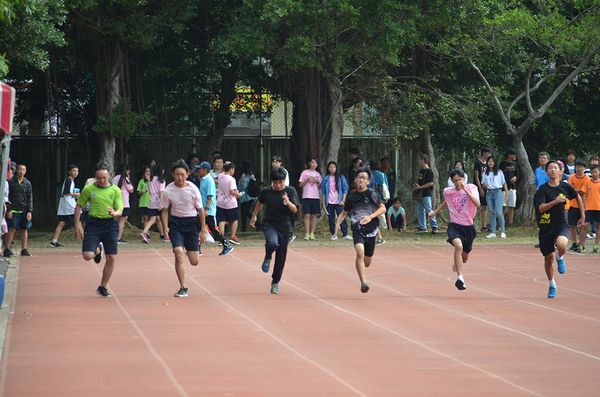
[
  {"x": 245, "y": 213},
  {"x": 214, "y": 230},
  {"x": 278, "y": 244}
]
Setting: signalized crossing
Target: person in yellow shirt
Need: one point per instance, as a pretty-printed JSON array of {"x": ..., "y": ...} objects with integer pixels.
[{"x": 591, "y": 200}]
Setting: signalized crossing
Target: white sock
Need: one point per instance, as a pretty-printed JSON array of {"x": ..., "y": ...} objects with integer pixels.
[
  {"x": 552, "y": 283},
  {"x": 54, "y": 240},
  {"x": 460, "y": 277},
  {"x": 559, "y": 257}
]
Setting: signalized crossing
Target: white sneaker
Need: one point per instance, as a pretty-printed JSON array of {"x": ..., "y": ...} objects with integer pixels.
[
  {"x": 491, "y": 235},
  {"x": 333, "y": 238},
  {"x": 348, "y": 237},
  {"x": 589, "y": 237},
  {"x": 502, "y": 235}
]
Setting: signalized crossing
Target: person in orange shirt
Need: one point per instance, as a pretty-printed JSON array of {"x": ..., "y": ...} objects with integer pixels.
[
  {"x": 577, "y": 180},
  {"x": 591, "y": 200}
]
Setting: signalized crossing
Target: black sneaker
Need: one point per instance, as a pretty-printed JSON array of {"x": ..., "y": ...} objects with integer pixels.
[
  {"x": 226, "y": 250},
  {"x": 364, "y": 288},
  {"x": 435, "y": 230},
  {"x": 122, "y": 241},
  {"x": 24, "y": 252},
  {"x": 460, "y": 284},
  {"x": 55, "y": 244},
  {"x": 98, "y": 257},
  {"x": 421, "y": 231},
  {"x": 103, "y": 292},
  {"x": 573, "y": 247},
  {"x": 8, "y": 253},
  {"x": 182, "y": 293}
]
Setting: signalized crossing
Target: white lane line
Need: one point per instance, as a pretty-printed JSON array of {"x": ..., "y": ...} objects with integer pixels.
[
  {"x": 144, "y": 338},
  {"x": 471, "y": 316},
  {"x": 270, "y": 334}
]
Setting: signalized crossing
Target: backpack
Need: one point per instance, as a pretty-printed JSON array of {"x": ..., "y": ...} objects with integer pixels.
[{"x": 253, "y": 190}]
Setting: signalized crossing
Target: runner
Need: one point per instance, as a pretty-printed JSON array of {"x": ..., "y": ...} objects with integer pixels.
[
  {"x": 102, "y": 230},
  {"x": 186, "y": 229}
]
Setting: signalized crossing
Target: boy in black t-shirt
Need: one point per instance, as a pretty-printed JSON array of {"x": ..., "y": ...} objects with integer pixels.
[
  {"x": 480, "y": 168},
  {"x": 278, "y": 225},
  {"x": 424, "y": 207},
  {"x": 549, "y": 202},
  {"x": 365, "y": 207}
]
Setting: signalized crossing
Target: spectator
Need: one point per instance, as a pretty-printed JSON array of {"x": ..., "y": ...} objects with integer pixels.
[
  {"x": 123, "y": 182},
  {"x": 391, "y": 177},
  {"x": 480, "y": 167},
  {"x": 425, "y": 183},
  {"x": 396, "y": 216},
  {"x": 67, "y": 204},
  {"x": 310, "y": 182},
  {"x": 510, "y": 169},
  {"x": 459, "y": 165},
  {"x": 21, "y": 209},
  {"x": 246, "y": 200},
  {"x": 227, "y": 206},
  {"x": 541, "y": 176},
  {"x": 335, "y": 189}
]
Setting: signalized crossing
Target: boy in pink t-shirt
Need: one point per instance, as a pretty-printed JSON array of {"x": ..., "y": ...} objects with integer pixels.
[
  {"x": 227, "y": 206},
  {"x": 462, "y": 201},
  {"x": 310, "y": 182}
]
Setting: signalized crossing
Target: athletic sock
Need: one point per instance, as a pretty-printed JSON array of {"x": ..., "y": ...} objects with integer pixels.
[
  {"x": 461, "y": 278},
  {"x": 54, "y": 240},
  {"x": 560, "y": 257},
  {"x": 552, "y": 283}
]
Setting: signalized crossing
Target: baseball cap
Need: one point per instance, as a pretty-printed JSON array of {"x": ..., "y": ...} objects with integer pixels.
[{"x": 204, "y": 164}]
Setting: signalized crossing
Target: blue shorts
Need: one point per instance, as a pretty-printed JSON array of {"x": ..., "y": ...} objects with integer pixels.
[
  {"x": 311, "y": 206},
  {"x": 227, "y": 215},
  {"x": 66, "y": 218},
  {"x": 154, "y": 212},
  {"x": 19, "y": 221},
  {"x": 548, "y": 237},
  {"x": 183, "y": 232},
  {"x": 143, "y": 210},
  {"x": 466, "y": 234},
  {"x": 101, "y": 230},
  {"x": 591, "y": 216},
  {"x": 126, "y": 212}
]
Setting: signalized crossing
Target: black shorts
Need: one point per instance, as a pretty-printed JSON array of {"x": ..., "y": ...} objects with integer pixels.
[
  {"x": 227, "y": 215},
  {"x": 311, "y": 206},
  {"x": 101, "y": 230},
  {"x": 591, "y": 216},
  {"x": 143, "y": 210},
  {"x": 367, "y": 242},
  {"x": 482, "y": 199},
  {"x": 126, "y": 212},
  {"x": 548, "y": 238},
  {"x": 573, "y": 216},
  {"x": 66, "y": 218},
  {"x": 154, "y": 212},
  {"x": 19, "y": 221},
  {"x": 183, "y": 232},
  {"x": 466, "y": 234}
]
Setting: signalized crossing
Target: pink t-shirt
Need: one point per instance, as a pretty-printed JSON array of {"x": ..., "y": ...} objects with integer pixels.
[
  {"x": 462, "y": 210},
  {"x": 334, "y": 195},
  {"x": 311, "y": 189},
  {"x": 184, "y": 200},
  {"x": 225, "y": 199},
  {"x": 124, "y": 190},
  {"x": 154, "y": 188}
]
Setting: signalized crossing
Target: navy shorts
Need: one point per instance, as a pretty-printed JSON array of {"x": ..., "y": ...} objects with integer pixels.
[
  {"x": 367, "y": 242},
  {"x": 482, "y": 199},
  {"x": 154, "y": 212},
  {"x": 548, "y": 238},
  {"x": 227, "y": 215},
  {"x": 573, "y": 216},
  {"x": 591, "y": 216},
  {"x": 466, "y": 234},
  {"x": 66, "y": 218},
  {"x": 311, "y": 206},
  {"x": 19, "y": 221},
  {"x": 101, "y": 230},
  {"x": 126, "y": 212},
  {"x": 183, "y": 232},
  {"x": 143, "y": 210}
]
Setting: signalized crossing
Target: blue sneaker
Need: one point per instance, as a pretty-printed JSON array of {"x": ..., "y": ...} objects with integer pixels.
[
  {"x": 552, "y": 292},
  {"x": 227, "y": 249},
  {"x": 561, "y": 264},
  {"x": 274, "y": 287},
  {"x": 266, "y": 264}
]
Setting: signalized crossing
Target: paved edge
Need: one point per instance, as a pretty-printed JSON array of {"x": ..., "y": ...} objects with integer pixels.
[{"x": 9, "y": 281}]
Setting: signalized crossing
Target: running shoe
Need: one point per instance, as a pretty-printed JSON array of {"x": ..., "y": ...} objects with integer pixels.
[
  {"x": 491, "y": 235},
  {"x": 561, "y": 264},
  {"x": 103, "y": 292},
  {"x": 99, "y": 255},
  {"x": 144, "y": 238},
  {"x": 307, "y": 236},
  {"x": 182, "y": 293},
  {"x": 226, "y": 250},
  {"x": 595, "y": 248},
  {"x": 266, "y": 264},
  {"x": 312, "y": 236},
  {"x": 421, "y": 231},
  {"x": 292, "y": 238},
  {"x": 552, "y": 292},
  {"x": 502, "y": 235},
  {"x": 24, "y": 252},
  {"x": 347, "y": 237},
  {"x": 435, "y": 230},
  {"x": 234, "y": 240},
  {"x": 581, "y": 249},
  {"x": 460, "y": 284},
  {"x": 589, "y": 237},
  {"x": 274, "y": 288},
  {"x": 333, "y": 238},
  {"x": 573, "y": 247},
  {"x": 167, "y": 240},
  {"x": 55, "y": 244},
  {"x": 8, "y": 253},
  {"x": 379, "y": 241},
  {"x": 121, "y": 241},
  {"x": 364, "y": 288}
]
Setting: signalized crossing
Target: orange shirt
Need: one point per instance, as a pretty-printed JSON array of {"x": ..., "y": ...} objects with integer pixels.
[
  {"x": 577, "y": 183},
  {"x": 592, "y": 189}
]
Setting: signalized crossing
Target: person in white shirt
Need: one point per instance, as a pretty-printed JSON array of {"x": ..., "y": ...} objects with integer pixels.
[{"x": 493, "y": 181}]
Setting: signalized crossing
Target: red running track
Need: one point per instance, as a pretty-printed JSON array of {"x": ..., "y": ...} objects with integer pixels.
[{"x": 413, "y": 334}]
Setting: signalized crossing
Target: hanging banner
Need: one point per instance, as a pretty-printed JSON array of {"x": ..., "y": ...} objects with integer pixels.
[{"x": 7, "y": 107}]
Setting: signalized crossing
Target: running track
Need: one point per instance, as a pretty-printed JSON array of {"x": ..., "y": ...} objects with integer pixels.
[{"x": 413, "y": 334}]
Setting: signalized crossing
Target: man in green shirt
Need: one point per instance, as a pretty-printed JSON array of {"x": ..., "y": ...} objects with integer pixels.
[{"x": 102, "y": 231}]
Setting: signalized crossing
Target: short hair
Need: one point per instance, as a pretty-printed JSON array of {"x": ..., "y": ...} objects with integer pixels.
[
  {"x": 425, "y": 158},
  {"x": 180, "y": 164},
  {"x": 101, "y": 166},
  {"x": 72, "y": 166},
  {"x": 511, "y": 151},
  {"x": 354, "y": 161},
  {"x": 552, "y": 162},
  {"x": 485, "y": 149},
  {"x": 364, "y": 169},
  {"x": 277, "y": 158},
  {"x": 354, "y": 150},
  {"x": 457, "y": 171},
  {"x": 277, "y": 174},
  {"x": 216, "y": 152},
  {"x": 544, "y": 154},
  {"x": 375, "y": 165},
  {"x": 570, "y": 151},
  {"x": 228, "y": 166},
  {"x": 594, "y": 166},
  {"x": 219, "y": 157},
  {"x": 580, "y": 162}
]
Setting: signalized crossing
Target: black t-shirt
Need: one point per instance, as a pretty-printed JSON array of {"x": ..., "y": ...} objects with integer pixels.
[
  {"x": 351, "y": 177},
  {"x": 361, "y": 204},
  {"x": 277, "y": 215},
  {"x": 426, "y": 176},
  {"x": 481, "y": 168},
  {"x": 510, "y": 169},
  {"x": 67, "y": 186},
  {"x": 555, "y": 216}
]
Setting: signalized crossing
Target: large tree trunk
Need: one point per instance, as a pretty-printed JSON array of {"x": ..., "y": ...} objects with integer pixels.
[
  {"x": 337, "y": 120},
  {"x": 524, "y": 212}
]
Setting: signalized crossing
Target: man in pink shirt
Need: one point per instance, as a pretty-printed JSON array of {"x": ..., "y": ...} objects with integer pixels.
[
  {"x": 462, "y": 201},
  {"x": 187, "y": 228},
  {"x": 227, "y": 205}
]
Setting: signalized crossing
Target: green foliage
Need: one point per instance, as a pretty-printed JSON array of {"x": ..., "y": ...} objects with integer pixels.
[{"x": 123, "y": 122}]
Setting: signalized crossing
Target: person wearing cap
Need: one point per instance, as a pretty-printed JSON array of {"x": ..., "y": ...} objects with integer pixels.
[
  {"x": 510, "y": 170},
  {"x": 208, "y": 193}
]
